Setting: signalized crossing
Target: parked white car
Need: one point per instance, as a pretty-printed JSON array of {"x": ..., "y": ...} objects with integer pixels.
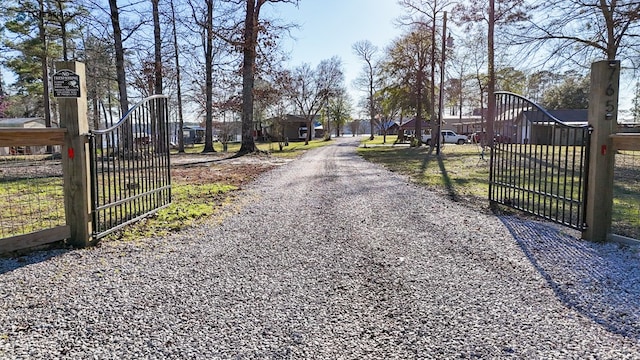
[{"x": 448, "y": 136}]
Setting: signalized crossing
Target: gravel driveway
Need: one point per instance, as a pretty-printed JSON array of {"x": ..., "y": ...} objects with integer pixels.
[{"x": 330, "y": 257}]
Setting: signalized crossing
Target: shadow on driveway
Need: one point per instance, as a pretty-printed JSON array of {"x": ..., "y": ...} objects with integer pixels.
[
  {"x": 601, "y": 281},
  {"x": 8, "y": 264}
]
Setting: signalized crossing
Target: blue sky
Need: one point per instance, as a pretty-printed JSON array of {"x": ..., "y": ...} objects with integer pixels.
[{"x": 329, "y": 28}]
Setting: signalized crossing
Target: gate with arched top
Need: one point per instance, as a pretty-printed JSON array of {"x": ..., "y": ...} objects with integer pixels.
[
  {"x": 539, "y": 163},
  {"x": 130, "y": 174}
]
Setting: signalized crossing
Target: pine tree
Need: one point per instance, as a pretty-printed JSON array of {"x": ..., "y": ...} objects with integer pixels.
[{"x": 30, "y": 35}]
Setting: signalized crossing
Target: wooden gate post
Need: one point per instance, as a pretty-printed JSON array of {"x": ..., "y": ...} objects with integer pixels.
[
  {"x": 71, "y": 90},
  {"x": 603, "y": 117}
]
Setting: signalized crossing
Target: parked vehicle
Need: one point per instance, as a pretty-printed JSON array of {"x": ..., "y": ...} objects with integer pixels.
[{"x": 448, "y": 136}]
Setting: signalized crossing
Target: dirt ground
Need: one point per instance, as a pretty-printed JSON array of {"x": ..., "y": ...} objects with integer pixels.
[{"x": 221, "y": 167}]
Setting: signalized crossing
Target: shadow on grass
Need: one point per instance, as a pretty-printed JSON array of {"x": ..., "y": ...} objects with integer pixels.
[
  {"x": 598, "y": 280},
  {"x": 240, "y": 154},
  {"x": 446, "y": 179}
]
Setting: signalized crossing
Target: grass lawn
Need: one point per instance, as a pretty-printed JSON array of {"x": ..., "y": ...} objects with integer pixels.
[
  {"x": 294, "y": 149},
  {"x": 190, "y": 205},
  {"x": 458, "y": 172}
]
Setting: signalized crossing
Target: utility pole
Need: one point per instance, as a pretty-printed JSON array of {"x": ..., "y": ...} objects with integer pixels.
[{"x": 444, "y": 54}]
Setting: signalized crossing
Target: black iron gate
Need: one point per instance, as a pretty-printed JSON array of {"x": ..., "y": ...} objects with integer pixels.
[
  {"x": 130, "y": 167},
  {"x": 539, "y": 164}
]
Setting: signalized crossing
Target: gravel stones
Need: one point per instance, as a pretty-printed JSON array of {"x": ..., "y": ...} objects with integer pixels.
[{"x": 330, "y": 257}]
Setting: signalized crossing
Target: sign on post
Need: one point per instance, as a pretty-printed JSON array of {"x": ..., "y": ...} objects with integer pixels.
[
  {"x": 69, "y": 83},
  {"x": 66, "y": 84}
]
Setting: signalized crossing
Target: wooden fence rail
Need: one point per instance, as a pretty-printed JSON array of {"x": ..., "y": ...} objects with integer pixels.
[
  {"x": 31, "y": 137},
  {"x": 626, "y": 141}
]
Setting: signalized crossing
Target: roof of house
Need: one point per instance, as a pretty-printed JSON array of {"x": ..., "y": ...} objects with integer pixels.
[
  {"x": 19, "y": 122},
  {"x": 580, "y": 115},
  {"x": 294, "y": 118},
  {"x": 387, "y": 124},
  {"x": 564, "y": 115},
  {"x": 411, "y": 124},
  {"x": 462, "y": 120}
]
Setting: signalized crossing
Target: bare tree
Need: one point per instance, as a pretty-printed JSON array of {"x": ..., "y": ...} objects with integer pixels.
[
  {"x": 461, "y": 66},
  {"x": 595, "y": 28},
  {"x": 425, "y": 13},
  {"x": 176, "y": 54},
  {"x": 498, "y": 12},
  {"x": 251, "y": 32},
  {"x": 367, "y": 52},
  {"x": 354, "y": 126},
  {"x": 635, "y": 109},
  {"x": 208, "y": 48},
  {"x": 203, "y": 18},
  {"x": 119, "y": 55},
  {"x": 309, "y": 89},
  {"x": 406, "y": 63},
  {"x": 157, "y": 47}
]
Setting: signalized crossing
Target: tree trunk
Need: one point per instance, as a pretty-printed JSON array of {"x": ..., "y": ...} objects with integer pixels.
[
  {"x": 45, "y": 70},
  {"x": 248, "y": 74},
  {"x": 439, "y": 141},
  {"x": 157, "y": 48},
  {"x": 418, "y": 124},
  {"x": 161, "y": 124},
  {"x": 432, "y": 86},
  {"x": 119, "y": 48},
  {"x": 208, "y": 134},
  {"x": 372, "y": 111},
  {"x": 179, "y": 87},
  {"x": 308, "y": 137},
  {"x": 63, "y": 31}
]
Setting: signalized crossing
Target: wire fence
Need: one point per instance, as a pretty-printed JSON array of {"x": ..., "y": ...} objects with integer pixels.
[
  {"x": 625, "y": 218},
  {"x": 31, "y": 192}
]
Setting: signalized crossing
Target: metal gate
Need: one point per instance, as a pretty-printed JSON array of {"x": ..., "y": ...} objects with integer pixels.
[
  {"x": 130, "y": 175},
  {"x": 539, "y": 164}
]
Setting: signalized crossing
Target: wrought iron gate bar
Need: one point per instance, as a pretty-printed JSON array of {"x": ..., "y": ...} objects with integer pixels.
[
  {"x": 131, "y": 199},
  {"x": 130, "y": 167},
  {"x": 538, "y": 162}
]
